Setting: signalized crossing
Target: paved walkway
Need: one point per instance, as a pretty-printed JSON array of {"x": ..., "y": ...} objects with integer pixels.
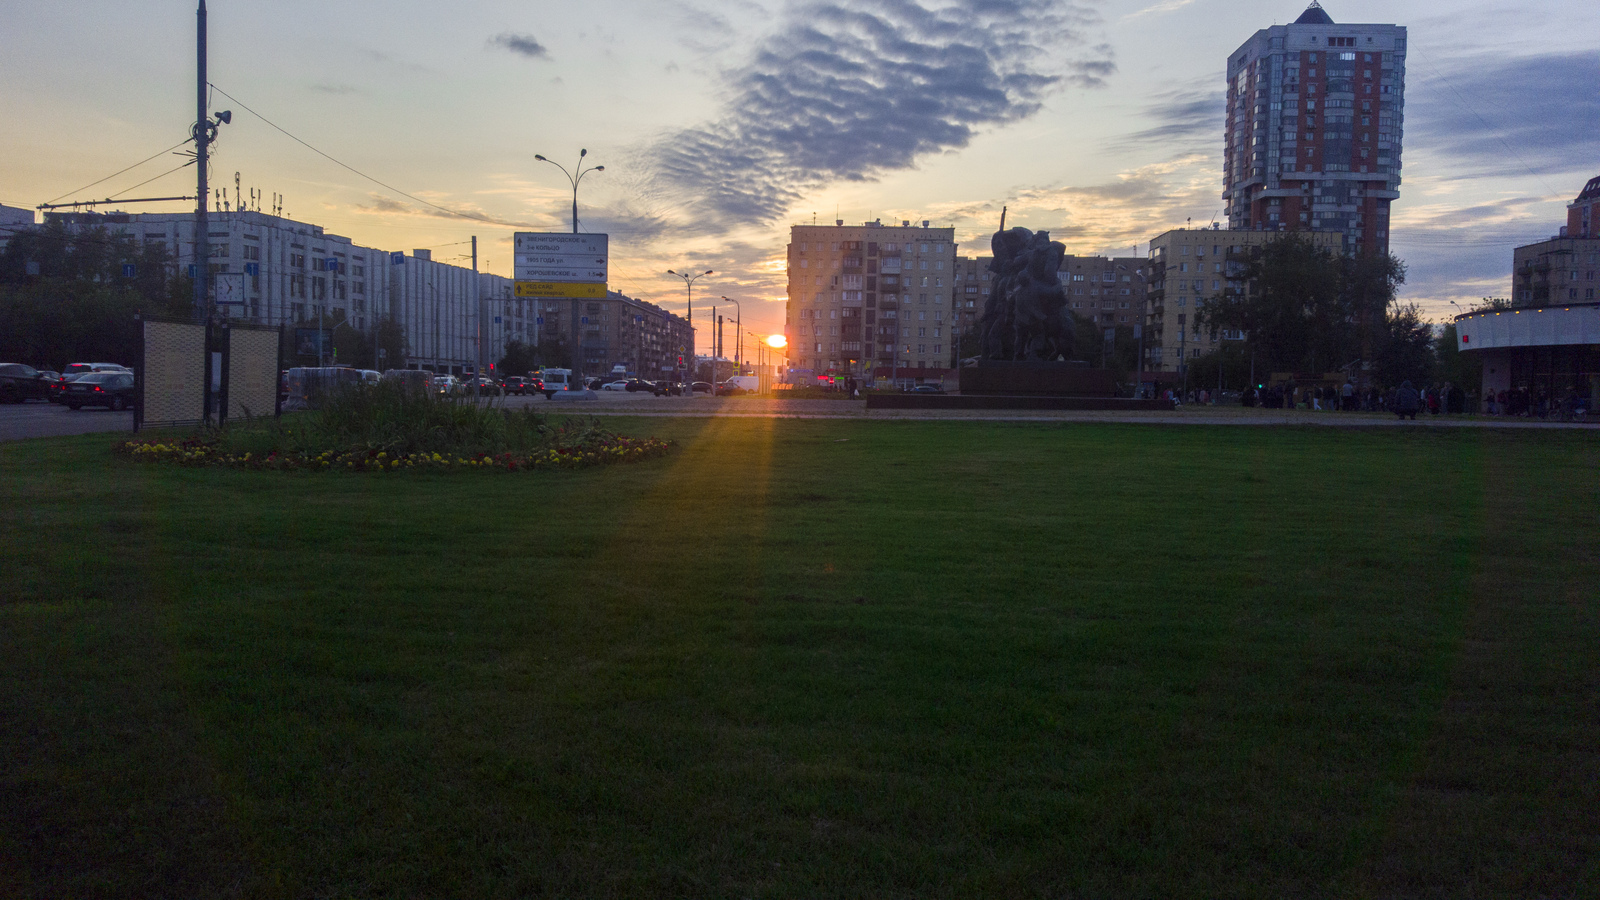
[{"x": 618, "y": 404}]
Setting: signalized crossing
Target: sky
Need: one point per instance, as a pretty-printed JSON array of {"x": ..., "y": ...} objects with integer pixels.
[{"x": 408, "y": 124}]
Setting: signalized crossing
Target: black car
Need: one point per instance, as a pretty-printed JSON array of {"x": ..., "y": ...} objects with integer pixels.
[
  {"x": 701, "y": 387},
  {"x": 20, "y": 383},
  {"x": 109, "y": 389},
  {"x": 516, "y": 384},
  {"x": 639, "y": 384}
]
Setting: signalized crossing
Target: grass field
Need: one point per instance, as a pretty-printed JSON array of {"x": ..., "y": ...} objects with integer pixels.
[{"x": 813, "y": 659}]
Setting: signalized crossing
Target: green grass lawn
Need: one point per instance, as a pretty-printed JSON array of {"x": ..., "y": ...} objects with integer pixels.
[{"x": 813, "y": 659}]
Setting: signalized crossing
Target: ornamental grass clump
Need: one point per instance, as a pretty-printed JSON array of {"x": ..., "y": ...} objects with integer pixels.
[{"x": 388, "y": 428}]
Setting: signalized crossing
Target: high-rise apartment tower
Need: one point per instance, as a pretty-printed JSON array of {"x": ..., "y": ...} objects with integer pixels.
[{"x": 1315, "y": 117}]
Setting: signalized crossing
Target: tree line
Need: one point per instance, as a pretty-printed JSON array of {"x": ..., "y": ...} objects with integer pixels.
[
  {"x": 1305, "y": 308},
  {"x": 69, "y": 296}
]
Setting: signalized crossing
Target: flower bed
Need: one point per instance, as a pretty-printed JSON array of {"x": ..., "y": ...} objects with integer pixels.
[{"x": 200, "y": 452}]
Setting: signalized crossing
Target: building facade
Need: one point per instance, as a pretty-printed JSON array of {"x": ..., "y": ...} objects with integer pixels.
[
  {"x": 13, "y": 218},
  {"x": 1583, "y": 214},
  {"x": 1188, "y": 266},
  {"x": 1314, "y": 127},
  {"x": 284, "y": 272},
  {"x": 1554, "y": 272},
  {"x": 1548, "y": 341},
  {"x": 872, "y": 301},
  {"x": 642, "y": 338}
]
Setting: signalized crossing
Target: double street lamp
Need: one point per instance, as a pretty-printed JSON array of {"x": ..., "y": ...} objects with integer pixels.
[
  {"x": 738, "y": 331},
  {"x": 688, "y": 284},
  {"x": 574, "y": 179}
]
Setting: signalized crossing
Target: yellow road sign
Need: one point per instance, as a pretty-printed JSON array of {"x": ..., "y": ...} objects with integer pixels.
[{"x": 560, "y": 290}]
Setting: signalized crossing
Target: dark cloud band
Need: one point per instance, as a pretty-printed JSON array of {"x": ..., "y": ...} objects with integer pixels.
[{"x": 848, "y": 92}]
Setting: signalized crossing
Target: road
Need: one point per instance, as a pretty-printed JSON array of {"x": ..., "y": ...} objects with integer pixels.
[
  {"x": 31, "y": 420},
  {"x": 34, "y": 419}
]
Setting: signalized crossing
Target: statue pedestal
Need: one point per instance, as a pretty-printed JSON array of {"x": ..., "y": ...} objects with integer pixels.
[
  {"x": 996, "y": 384},
  {"x": 1036, "y": 379}
]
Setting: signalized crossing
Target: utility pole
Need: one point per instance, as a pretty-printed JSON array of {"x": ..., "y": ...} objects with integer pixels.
[
  {"x": 477, "y": 298},
  {"x": 202, "y": 140}
]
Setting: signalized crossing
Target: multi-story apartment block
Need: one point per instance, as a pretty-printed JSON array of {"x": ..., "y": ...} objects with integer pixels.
[
  {"x": 873, "y": 300},
  {"x": 1562, "y": 269},
  {"x": 1583, "y": 214},
  {"x": 618, "y": 331},
  {"x": 1186, "y": 268},
  {"x": 1315, "y": 120},
  {"x": 1549, "y": 341}
]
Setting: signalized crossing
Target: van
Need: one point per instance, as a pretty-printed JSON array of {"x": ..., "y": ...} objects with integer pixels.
[{"x": 556, "y": 380}]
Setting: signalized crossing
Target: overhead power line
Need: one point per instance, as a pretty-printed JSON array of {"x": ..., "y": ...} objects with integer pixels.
[
  {"x": 128, "y": 169},
  {"x": 384, "y": 185}
]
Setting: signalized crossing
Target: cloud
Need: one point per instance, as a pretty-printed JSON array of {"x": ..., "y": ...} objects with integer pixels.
[
  {"x": 1507, "y": 117},
  {"x": 850, "y": 92},
  {"x": 1182, "y": 119},
  {"x": 520, "y": 44},
  {"x": 1165, "y": 6}
]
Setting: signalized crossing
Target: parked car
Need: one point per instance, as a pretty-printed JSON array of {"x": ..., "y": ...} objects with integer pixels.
[
  {"x": 516, "y": 384},
  {"x": 615, "y": 386},
  {"x": 20, "y": 383},
  {"x": 78, "y": 368},
  {"x": 73, "y": 371},
  {"x": 927, "y": 389},
  {"x": 109, "y": 389}
]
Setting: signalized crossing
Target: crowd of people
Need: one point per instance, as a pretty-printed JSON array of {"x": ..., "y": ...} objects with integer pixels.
[{"x": 1407, "y": 399}]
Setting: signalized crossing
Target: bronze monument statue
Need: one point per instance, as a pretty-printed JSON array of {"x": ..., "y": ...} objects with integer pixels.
[{"x": 1026, "y": 315}]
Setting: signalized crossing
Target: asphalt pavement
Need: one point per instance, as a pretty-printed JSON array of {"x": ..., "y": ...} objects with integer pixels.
[
  {"x": 31, "y": 420},
  {"x": 35, "y": 419}
]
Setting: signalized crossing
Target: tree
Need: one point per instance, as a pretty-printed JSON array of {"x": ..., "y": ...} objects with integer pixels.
[
  {"x": 1490, "y": 304},
  {"x": 1370, "y": 284},
  {"x": 1464, "y": 370},
  {"x": 519, "y": 358},
  {"x": 1234, "y": 361},
  {"x": 70, "y": 296},
  {"x": 390, "y": 337},
  {"x": 553, "y": 353},
  {"x": 1294, "y": 309},
  {"x": 1407, "y": 350}
]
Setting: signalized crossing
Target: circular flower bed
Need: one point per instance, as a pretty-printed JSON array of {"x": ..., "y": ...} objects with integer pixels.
[{"x": 200, "y": 452}]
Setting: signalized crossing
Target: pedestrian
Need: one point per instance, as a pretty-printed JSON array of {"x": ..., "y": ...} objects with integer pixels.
[{"x": 1407, "y": 401}]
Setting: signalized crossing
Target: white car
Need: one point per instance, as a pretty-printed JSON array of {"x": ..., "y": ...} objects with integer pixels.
[{"x": 615, "y": 386}]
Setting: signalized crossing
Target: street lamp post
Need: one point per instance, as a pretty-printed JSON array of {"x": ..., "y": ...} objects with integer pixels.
[
  {"x": 738, "y": 331},
  {"x": 688, "y": 284},
  {"x": 574, "y": 179}
]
